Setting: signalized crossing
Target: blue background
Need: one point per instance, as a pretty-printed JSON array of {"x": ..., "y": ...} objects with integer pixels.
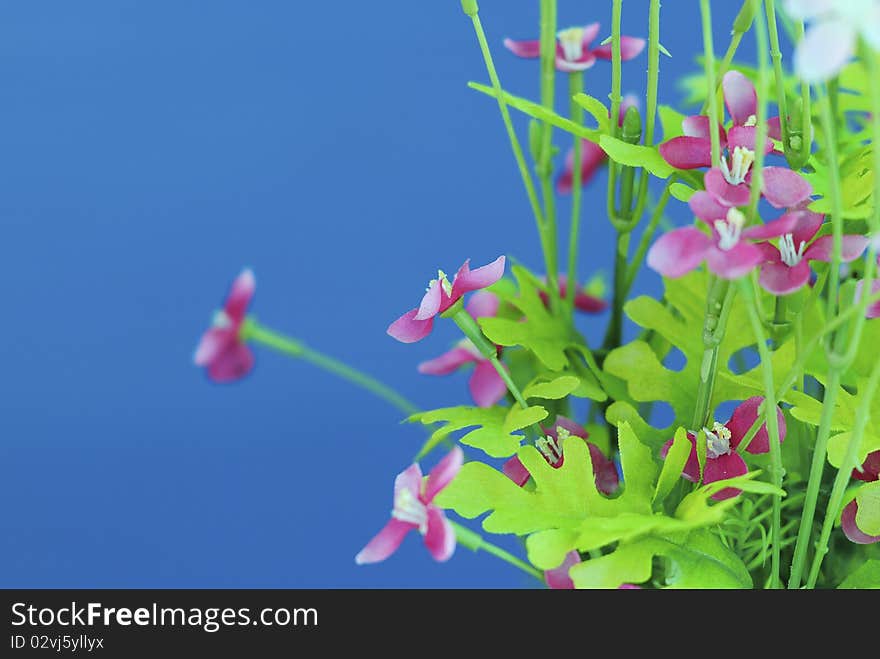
[{"x": 149, "y": 150}]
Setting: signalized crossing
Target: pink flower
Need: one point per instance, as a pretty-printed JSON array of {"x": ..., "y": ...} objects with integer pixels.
[
  {"x": 413, "y": 509},
  {"x": 557, "y": 578},
  {"x": 583, "y": 301},
  {"x": 221, "y": 349},
  {"x": 416, "y": 324},
  {"x": 873, "y": 310},
  {"x": 573, "y": 52},
  {"x": 551, "y": 447},
  {"x": 868, "y": 472},
  {"x": 486, "y": 386},
  {"x": 728, "y": 180},
  {"x": 722, "y": 459},
  {"x": 592, "y": 155},
  {"x": 786, "y": 267},
  {"x": 726, "y": 252}
]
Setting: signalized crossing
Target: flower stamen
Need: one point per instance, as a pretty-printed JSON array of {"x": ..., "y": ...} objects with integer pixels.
[
  {"x": 717, "y": 440},
  {"x": 740, "y": 163},
  {"x": 408, "y": 508},
  {"x": 730, "y": 230},
  {"x": 572, "y": 42},
  {"x": 791, "y": 256}
]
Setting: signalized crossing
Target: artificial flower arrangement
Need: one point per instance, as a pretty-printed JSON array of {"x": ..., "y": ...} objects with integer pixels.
[{"x": 769, "y": 295}]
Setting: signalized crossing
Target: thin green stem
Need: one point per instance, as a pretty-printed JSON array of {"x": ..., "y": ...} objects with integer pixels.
[
  {"x": 476, "y": 542},
  {"x": 761, "y": 113},
  {"x": 545, "y": 166},
  {"x": 616, "y": 100},
  {"x": 708, "y": 48},
  {"x": 575, "y": 87},
  {"x": 718, "y": 305},
  {"x": 253, "y": 331},
  {"x": 776, "y": 57},
  {"x": 829, "y": 134}
]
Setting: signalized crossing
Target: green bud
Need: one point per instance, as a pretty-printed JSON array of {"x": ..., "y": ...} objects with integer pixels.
[
  {"x": 469, "y": 7},
  {"x": 744, "y": 18},
  {"x": 632, "y": 126}
]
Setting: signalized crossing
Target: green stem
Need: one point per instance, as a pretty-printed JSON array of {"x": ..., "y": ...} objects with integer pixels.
[
  {"x": 761, "y": 114},
  {"x": 828, "y": 131},
  {"x": 616, "y": 99},
  {"x": 476, "y": 542},
  {"x": 718, "y": 305},
  {"x": 471, "y": 10},
  {"x": 806, "y": 144},
  {"x": 614, "y": 333},
  {"x": 575, "y": 87},
  {"x": 708, "y": 49},
  {"x": 545, "y": 166},
  {"x": 251, "y": 330},
  {"x": 772, "y": 422},
  {"x": 776, "y": 58}
]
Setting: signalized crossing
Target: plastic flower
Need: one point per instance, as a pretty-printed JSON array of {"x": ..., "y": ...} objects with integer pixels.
[
  {"x": 727, "y": 252},
  {"x": 592, "y": 155},
  {"x": 551, "y": 447},
  {"x": 583, "y": 301},
  {"x": 786, "y": 267},
  {"x": 831, "y": 39},
  {"x": 221, "y": 349},
  {"x": 573, "y": 52},
  {"x": 722, "y": 459},
  {"x": 413, "y": 510},
  {"x": 486, "y": 386},
  {"x": 416, "y": 324},
  {"x": 868, "y": 472}
]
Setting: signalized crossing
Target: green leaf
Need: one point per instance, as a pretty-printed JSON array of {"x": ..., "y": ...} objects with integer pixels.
[
  {"x": 671, "y": 121},
  {"x": 595, "y": 108},
  {"x": 867, "y": 575},
  {"x": 543, "y": 334},
  {"x": 681, "y": 192},
  {"x": 539, "y": 112},
  {"x": 839, "y": 443},
  {"x": 554, "y": 389},
  {"x": 494, "y": 435},
  {"x": 868, "y": 513},
  {"x": 635, "y": 155},
  {"x": 673, "y": 465}
]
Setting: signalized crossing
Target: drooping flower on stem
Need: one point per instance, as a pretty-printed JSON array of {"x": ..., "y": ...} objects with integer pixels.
[
  {"x": 786, "y": 268},
  {"x": 486, "y": 386},
  {"x": 221, "y": 350},
  {"x": 552, "y": 447},
  {"x": 413, "y": 510},
  {"x": 722, "y": 459},
  {"x": 416, "y": 324},
  {"x": 573, "y": 52},
  {"x": 869, "y": 472}
]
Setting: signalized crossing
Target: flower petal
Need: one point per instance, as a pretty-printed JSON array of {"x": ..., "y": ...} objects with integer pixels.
[
  {"x": 591, "y": 31},
  {"x": 592, "y": 157},
  {"x": 740, "y": 97},
  {"x": 733, "y": 263},
  {"x": 779, "y": 279},
  {"x": 583, "y": 63},
  {"x": 407, "y": 329},
  {"x": 240, "y": 296},
  {"x": 824, "y": 50},
  {"x": 706, "y": 207},
  {"x": 679, "y": 251},
  {"x": 726, "y": 193},
  {"x": 515, "y": 470},
  {"x": 745, "y": 414},
  {"x": 557, "y": 578},
  {"x": 870, "y": 468},
  {"x": 823, "y": 248},
  {"x": 213, "y": 342},
  {"x": 787, "y": 223},
  {"x": 873, "y": 310},
  {"x": 486, "y": 386},
  {"x": 384, "y": 543},
  {"x": 687, "y": 152},
  {"x": 447, "y": 362},
  {"x": 564, "y": 422},
  {"x": 431, "y": 301},
  {"x": 746, "y": 137},
  {"x": 806, "y": 227},
  {"x": 630, "y": 47},
  {"x": 697, "y": 125},
  {"x": 483, "y": 304},
  {"x": 722, "y": 467},
  {"x": 409, "y": 479},
  {"x": 805, "y": 10},
  {"x": 691, "y": 470},
  {"x": 440, "y": 537},
  {"x": 231, "y": 364},
  {"x": 851, "y": 530},
  {"x": 443, "y": 473},
  {"x": 530, "y": 48},
  {"x": 582, "y": 301},
  {"x": 604, "y": 471},
  {"x": 784, "y": 188},
  {"x": 467, "y": 280},
  {"x": 774, "y": 128}
]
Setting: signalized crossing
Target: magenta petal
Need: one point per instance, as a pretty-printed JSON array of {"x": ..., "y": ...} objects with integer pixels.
[
  {"x": 592, "y": 157},
  {"x": 697, "y": 125},
  {"x": 733, "y": 263},
  {"x": 447, "y": 362},
  {"x": 740, "y": 97},
  {"x": 558, "y": 578},
  {"x": 774, "y": 128},
  {"x": 213, "y": 342},
  {"x": 722, "y": 467},
  {"x": 516, "y": 471},
  {"x": 486, "y": 386},
  {"x": 822, "y": 248},
  {"x": 706, "y": 207},
  {"x": 679, "y": 251},
  {"x": 231, "y": 364},
  {"x": 431, "y": 301},
  {"x": 529, "y": 49},
  {"x": 440, "y": 537},
  {"x": 582, "y": 301},
  {"x": 483, "y": 304},
  {"x": 591, "y": 31},
  {"x": 745, "y": 136},
  {"x": 467, "y": 280},
  {"x": 851, "y": 530},
  {"x": 443, "y": 473},
  {"x": 870, "y": 468},
  {"x": 691, "y": 470},
  {"x": 384, "y": 543},
  {"x": 583, "y": 63},
  {"x": 687, "y": 152},
  {"x": 873, "y": 310},
  {"x": 629, "y": 47},
  {"x": 409, "y": 479},
  {"x": 742, "y": 419},
  {"x": 784, "y": 188},
  {"x": 807, "y": 225},
  {"x": 240, "y": 295},
  {"x": 780, "y": 279},
  {"x": 782, "y": 225},
  {"x": 407, "y": 329},
  {"x": 604, "y": 471},
  {"x": 572, "y": 427},
  {"x": 724, "y": 192}
]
